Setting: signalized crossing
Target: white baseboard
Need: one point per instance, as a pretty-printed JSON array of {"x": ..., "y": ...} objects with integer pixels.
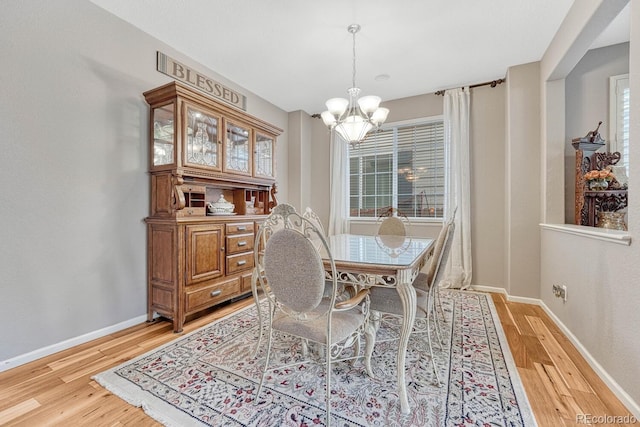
[
  {"x": 624, "y": 397},
  {"x": 493, "y": 289},
  {"x": 620, "y": 393},
  {"x": 54, "y": 348}
]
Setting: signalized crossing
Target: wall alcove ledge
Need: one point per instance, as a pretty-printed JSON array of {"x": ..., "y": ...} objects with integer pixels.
[{"x": 611, "y": 236}]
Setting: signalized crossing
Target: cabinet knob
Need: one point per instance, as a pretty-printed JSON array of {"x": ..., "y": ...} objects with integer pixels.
[
  {"x": 242, "y": 243},
  {"x": 242, "y": 228},
  {"x": 243, "y": 262},
  {"x": 222, "y": 249},
  {"x": 216, "y": 293}
]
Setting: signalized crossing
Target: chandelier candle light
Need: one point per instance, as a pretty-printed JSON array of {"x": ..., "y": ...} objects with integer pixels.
[{"x": 352, "y": 119}]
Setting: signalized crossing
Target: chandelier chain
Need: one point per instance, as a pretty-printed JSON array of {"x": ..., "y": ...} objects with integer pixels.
[{"x": 354, "y": 56}]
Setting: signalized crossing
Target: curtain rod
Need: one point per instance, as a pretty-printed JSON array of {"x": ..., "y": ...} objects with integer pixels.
[{"x": 493, "y": 83}]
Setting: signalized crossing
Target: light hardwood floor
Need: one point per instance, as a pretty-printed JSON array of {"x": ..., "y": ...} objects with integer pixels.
[{"x": 58, "y": 390}]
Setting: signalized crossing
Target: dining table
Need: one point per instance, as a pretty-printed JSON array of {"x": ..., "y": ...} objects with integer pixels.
[{"x": 366, "y": 261}]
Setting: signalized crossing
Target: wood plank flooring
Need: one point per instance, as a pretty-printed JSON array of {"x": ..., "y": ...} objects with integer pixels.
[
  {"x": 58, "y": 390},
  {"x": 562, "y": 388}
]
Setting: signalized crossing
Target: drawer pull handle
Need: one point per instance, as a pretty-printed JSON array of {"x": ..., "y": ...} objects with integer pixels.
[
  {"x": 216, "y": 293},
  {"x": 242, "y": 228},
  {"x": 242, "y": 243},
  {"x": 243, "y": 262}
]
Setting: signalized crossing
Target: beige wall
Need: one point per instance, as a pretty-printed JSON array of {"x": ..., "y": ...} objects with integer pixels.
[
  {"x": 74, "y": 132},
  {"x": 299, "y": 161},
  {"x": 601, "y": 311},
  {"x": 488, "y": 189},
  {"x": 522, "y": 246}
]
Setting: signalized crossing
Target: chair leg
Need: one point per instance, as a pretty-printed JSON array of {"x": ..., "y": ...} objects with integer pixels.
[
  {"x": 439, "y": 310},
  {"x": 266, "y": 365},
  {"x": 328, "y": 382},
  {"x": 430, "y": 304},
  {"x": 444, "y": 319},
  {"x": 254, "y": 291}
]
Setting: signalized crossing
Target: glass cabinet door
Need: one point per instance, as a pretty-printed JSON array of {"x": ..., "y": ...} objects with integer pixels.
[
  {"x": 237, "y": 149},
  {"x": 202, "y": 142},
  {"x": 163, "y": 135},
  {"x": 263, "y": 153}
]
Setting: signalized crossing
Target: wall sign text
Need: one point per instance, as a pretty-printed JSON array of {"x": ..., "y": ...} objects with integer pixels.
[{"x": 183, "y": 73}]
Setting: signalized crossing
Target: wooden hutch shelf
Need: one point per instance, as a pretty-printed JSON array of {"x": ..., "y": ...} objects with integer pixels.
[{"x": 200, "y": 150}]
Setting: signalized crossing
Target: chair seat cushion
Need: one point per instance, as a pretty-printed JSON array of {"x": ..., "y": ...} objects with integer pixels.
[
  {"x": 387, "y": 300},
  {"x": 343, "y": 324}
]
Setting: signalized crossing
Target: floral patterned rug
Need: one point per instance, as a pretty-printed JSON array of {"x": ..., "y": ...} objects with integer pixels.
[{"x": 208, "y": 377}]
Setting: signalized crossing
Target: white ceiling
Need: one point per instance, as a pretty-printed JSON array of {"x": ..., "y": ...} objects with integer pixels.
[{"x": 298, "y": 53}]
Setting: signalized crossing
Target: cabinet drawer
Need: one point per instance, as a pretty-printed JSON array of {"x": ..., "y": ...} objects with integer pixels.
[
  {"x": 239, "y": 243},
  {"x": 187, "y": 211},
  {"x": 189, "y": 188},
  {"x": 239, "y": 262},
  {"x": 212, "y": 295},
  {"x": 239, "y": 228}
]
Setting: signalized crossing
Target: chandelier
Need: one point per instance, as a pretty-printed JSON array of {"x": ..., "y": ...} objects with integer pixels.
[{"x": 352, "y": 119}]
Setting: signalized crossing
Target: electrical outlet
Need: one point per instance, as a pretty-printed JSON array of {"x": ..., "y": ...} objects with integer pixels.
[{"x": 560, "y": 292}]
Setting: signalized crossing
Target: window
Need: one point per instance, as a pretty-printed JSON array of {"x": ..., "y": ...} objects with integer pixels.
[
  {"x": 401, "y": 166},
  {"x": 619, "y": 118}
]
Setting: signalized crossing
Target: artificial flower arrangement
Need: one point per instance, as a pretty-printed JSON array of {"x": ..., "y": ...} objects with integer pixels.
[
  {"x": 600, "y": 179},
  {"x": 600, "y": 174}
]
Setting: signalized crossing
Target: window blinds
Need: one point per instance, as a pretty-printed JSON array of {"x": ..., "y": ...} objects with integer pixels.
[{"x": 401, "y": 166}]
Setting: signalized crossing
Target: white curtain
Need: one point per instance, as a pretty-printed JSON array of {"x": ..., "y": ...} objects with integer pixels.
[
  {"x": 457, "y": 183},
  {"x": 339, "y": 185}
]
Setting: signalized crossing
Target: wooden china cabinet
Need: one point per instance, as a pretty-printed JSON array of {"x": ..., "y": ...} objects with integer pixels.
[{"x": 200, "y": 150}]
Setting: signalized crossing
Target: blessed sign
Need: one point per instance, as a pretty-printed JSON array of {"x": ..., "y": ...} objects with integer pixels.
[{"x": 181, "y": 72}]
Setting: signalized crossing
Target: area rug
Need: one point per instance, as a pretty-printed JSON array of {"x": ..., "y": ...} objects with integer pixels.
[{"x": 208, "y": 377}]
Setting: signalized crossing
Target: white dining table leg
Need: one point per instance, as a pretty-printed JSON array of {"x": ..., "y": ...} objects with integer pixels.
[{"x": 407, "y": 295}]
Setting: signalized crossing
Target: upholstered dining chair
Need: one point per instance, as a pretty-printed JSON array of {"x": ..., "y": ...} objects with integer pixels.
[
  {"x": 392, "y": 222},
  {"x": 386, "y": 301},
  {"x": 277, "y": 220},
  {"x": 292, "y": 277},
  {"x": 393, "y": 235},
  {"x": 431, "y": 284},
  {"x": 314, "y": 219}
]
